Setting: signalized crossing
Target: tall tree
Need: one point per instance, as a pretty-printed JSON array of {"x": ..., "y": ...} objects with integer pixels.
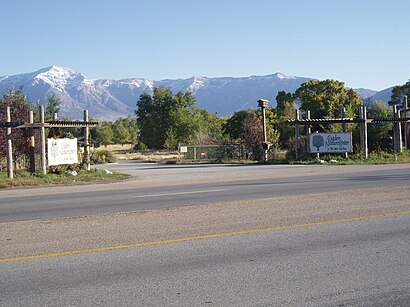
[
  {"x": 325, "y": 99},
  {"x": 284, "y": 101},
  {"x": 53, "y": 106},
  {"x": 104, "y": 134},
  {"x": 379, "y": 135},
  {"x": 235, "y": 125},
  {"x": 398, "y": 92},
  {"x": 285, "y": 109},
  {"x": 209, "y": 128},
  {"x": 164, "y": 117}
]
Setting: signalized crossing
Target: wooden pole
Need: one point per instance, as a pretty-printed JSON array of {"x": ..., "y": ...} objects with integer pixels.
[
  {"x": 395, "y": 131},
  {"x": 43, "y": 168},
  {"x": 9, "y": 147},
  {"x": 265, "y": 139},
  {"x": 406, "y": 126},
  {"x": 344, "y": 128},
  {"x": 32, "y": 145},
  {"x": 366, "y": 149},
  {"x": 363, "y": 131},
  {"x": 399, "y": 135},
  {"x": 308, "y": 130},
  {"x": 86, "y": 142},
  {"x": 297, "y": 134}
]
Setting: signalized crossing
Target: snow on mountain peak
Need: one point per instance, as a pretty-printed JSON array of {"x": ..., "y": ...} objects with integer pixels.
[
  {"x": 59, "y": 77},
  {"x": 283, "y": 76},
  {"x": 198, "y": 82}
]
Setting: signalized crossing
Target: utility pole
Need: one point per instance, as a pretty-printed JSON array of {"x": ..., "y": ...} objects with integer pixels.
[{"x": 263, "y": 104}]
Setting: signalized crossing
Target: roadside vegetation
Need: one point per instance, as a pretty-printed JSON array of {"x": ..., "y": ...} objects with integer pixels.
[
  {"x": 25, "y": 178},
  {"x": 163, "y": 121}
]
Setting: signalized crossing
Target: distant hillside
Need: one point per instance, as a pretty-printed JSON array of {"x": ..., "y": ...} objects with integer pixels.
[{"x": 109, "y": 99}]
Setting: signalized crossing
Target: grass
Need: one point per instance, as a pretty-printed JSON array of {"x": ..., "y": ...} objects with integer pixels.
[
  {"x": 376, "y": 157},
  {"x": 25, "y": 179},
  {"x": 125, "y": 152}
]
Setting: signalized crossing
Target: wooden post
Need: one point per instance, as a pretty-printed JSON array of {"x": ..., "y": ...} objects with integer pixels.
[
  {"x": 265, "y": 139},
  {"x": 363, "y": 131},
  {"x": 32, "y": 145},
  {"x": 365, "y": 147},
  {"x": 297, "y": 134},
  {"x": 179, "y": 152},
  {"x": 395, "y": 130},
  {"x": 308, "y": 131},
  {"x": 399, "y": 135},
  {"x": 361, "y": 128},
  {"x": 86, "y": 142},
  {"x": 344, "y": 128},
  {"x": 406, "y": 126},
  {"x": 43, "y": 168},
  {"x": 9, "y": 147}
]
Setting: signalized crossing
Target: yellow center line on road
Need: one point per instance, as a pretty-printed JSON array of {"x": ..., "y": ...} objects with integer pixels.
[{"x": 211, "y": 236}]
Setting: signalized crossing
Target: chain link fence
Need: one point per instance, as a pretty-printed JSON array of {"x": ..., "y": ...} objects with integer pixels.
[{"x": 212, "y": 153}]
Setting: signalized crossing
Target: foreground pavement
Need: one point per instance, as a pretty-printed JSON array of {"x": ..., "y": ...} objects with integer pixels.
[{"x": 345, "y": 246}]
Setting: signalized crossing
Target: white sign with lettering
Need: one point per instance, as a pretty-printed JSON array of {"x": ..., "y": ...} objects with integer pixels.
[
  {"x": 330, "y": 142},
  {"x": 62, "y": 151}
]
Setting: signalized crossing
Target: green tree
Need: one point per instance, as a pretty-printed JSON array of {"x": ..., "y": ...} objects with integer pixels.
[
  {"x": 121, "y": 133},
  {"x": 326, "y": 99},
  {"x": 398, "y": 92},
  {"x": 183, "y": 116},
  {"x": 104, "y": 134},
  {"x": 162, "y": 112},
  {"x": 379, "y": 135},
  {"x": 234, "y": 127},
  {"x": 285, "y": 109},
  {"x": 284, "y": 101},
  {"x": 209, "y": 128},
  {"x": 53, "y": 106},
  {"x": 171, "y": 141}
]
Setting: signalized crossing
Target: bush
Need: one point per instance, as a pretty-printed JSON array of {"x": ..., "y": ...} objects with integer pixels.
[
  {"x": 103, "y": 156},
  {"x": 64, "y": 169},
  {"x": 140, "y": 146}
]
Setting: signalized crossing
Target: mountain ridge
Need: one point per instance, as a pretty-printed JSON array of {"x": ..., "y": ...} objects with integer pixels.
[{"x": 108, "y": 99}]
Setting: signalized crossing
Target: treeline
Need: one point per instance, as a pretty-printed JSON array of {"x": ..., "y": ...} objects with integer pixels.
[{"x": 164, "y": 120}]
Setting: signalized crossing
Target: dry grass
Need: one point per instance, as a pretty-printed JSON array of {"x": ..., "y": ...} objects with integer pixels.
[{"x": 125, "y": 152}]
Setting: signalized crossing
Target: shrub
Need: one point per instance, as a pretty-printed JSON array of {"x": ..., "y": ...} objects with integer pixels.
[
  {"x": 140, "y": 146},
  {"x": 64, "y": 169},
  {"x": 103, "y": 156}
]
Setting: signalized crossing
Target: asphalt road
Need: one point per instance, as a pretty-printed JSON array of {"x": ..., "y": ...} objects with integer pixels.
[
  {"x": 231, "y": 183},
  {"x": 360, "y": 262}
]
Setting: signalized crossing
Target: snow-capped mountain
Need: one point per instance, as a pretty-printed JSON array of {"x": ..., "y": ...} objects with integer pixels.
[{"x": 109, "y": 99}]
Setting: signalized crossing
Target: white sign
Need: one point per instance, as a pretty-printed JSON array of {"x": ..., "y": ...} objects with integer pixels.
[
  {"x": 62, "y": 151},
  {"x": 183, "y": 149},
  {"x": 330, "y": 142}
]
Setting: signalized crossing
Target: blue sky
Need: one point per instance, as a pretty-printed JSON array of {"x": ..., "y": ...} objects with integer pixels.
[{"x": 364, "y": 43}]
